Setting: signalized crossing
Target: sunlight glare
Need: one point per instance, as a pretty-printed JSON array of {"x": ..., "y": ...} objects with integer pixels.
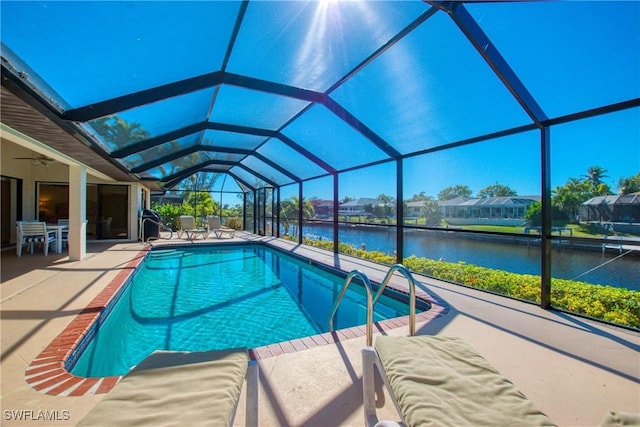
[{"x": 324, "y": 42}]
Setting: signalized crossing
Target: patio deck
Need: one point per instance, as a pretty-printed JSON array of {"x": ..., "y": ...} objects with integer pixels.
[{"x": 573, "y": 369}]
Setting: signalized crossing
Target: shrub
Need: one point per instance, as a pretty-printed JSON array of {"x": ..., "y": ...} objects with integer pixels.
[
  {"x": 234, "y": 222},
  {"x": 616, "y": 305},
  {"x": 170, "y": 214}
]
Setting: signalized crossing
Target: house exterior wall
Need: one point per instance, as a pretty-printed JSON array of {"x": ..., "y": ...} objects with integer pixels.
[{"x": 31, "y": 173}]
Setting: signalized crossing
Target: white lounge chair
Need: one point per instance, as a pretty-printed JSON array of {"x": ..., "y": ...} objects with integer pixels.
[
  {"x": 29, "y": 232},
  {"x": 188, "y": 228},
  {"x": 181, "y": 389},
  {"x": 215, "y": 226},
  {"x": 442, "y": 381}
]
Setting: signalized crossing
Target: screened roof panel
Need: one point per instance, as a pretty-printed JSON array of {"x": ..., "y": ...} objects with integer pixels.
[
  {"x": 290, "y": 159},
  {"x": 252, "y": 180},
  {"x": 128, "y": 127},
  {"x": 265, "y": 170},
  {"x": 238, "y": 140},
  {"x": 245, "y": 107},
  {"x": 225, "y": 182},
  {"x": 327, "y": 136},
  {"x": 179, "y": 165},
  {"x": 586, "y": 57},
  {"x": 415, "y": 105},
  {"x": 160, "y": 151},
  {"x": 314, "y": 44},
  {"x": 225, "y": 157},
  {"x": 91, "y": 51},
  {"x": 294, "y": 90}
]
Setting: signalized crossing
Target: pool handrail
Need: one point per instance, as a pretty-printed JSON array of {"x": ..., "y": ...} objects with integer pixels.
[
  {"x": 368, "y": 288},
  {"x": 412, "y": 293}
]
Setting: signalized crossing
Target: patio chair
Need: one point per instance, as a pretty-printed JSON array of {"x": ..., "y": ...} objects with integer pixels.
[
  {"x": 188, "y": 227},
  {"x": 65, "y": 233},
  {"x": 181, "y": 388},
  {"x": 215, "y": 226},
  {"x": 106, "y": 227},
  {"x": 29, "y": 232},
  {"x": 440, "y": 380}
]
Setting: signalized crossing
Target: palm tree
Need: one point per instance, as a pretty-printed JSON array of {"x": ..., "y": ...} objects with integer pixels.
[
  {"x": 570, "y": 196},
  {"x": 388, "y": 204},
  {"x": 118, "y": 133},
  {"x": 289, "y": 211},
  {"x": 594, "y": 177},
  {"x": 595, "y": 174}
]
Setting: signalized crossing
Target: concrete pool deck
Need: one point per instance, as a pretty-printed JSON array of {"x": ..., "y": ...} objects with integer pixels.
[{"x": 573, "y": 369}]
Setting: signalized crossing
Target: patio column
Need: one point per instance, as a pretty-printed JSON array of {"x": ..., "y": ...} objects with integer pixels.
[{"x": 77, "y": 212}]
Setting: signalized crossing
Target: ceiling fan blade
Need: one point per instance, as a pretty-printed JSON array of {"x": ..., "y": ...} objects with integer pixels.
[{"x": 41, "y": 159}]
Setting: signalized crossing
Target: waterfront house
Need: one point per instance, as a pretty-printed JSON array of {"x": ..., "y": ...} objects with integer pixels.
[
  {"x": 323, "y": 209},
  {"x": 508, "y": 210},
  {"x": 618, "y": 212},
  {"x": 356, "y": 207}
]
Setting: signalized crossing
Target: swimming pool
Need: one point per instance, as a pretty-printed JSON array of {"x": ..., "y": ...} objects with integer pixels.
[{"x": 201, "y": 297}]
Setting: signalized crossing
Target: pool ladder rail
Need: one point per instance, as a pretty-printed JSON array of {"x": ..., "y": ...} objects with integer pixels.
[
  {"x": 159, "y": 224},
  {"x": 371, "y": 300}
]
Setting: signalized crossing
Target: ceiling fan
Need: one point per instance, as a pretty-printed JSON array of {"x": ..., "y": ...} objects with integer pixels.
[{"x": 40, "y": 159}]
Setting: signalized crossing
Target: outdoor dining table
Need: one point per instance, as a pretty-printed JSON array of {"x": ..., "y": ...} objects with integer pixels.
[{"x": 58, "y": 228}]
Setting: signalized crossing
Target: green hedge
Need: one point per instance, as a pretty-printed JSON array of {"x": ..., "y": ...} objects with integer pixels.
[{"x": 616, "y": 305}]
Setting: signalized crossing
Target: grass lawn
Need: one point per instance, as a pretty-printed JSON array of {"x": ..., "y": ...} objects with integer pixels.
[{"x": 577, "y": 230}]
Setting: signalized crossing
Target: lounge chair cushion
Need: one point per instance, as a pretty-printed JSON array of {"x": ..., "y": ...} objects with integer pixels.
[
  {"x": 175, "y": 389},
  {"x": 441, "y": 381},
  {"x": 619, "y": 419}
]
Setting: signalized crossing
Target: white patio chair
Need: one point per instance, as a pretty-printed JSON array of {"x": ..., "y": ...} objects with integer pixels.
[
  {"x": 29, "y": 233},
  {"x": 65, "y": 233},
  {"x": 188, "y": 227},
  {"x": 215, "y": 226}
]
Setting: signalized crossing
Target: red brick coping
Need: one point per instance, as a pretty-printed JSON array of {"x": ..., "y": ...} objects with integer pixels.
[{"x": 47, "y": 372}]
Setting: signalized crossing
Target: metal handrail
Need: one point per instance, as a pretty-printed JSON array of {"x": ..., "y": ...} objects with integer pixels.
[
  {"x": 368, "y": 288},
  {"x": 412, "y": 292},
  {"x": 161, "y": 225}
]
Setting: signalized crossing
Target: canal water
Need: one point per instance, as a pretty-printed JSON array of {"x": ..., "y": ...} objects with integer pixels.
[{"x": 513, "y": 255}]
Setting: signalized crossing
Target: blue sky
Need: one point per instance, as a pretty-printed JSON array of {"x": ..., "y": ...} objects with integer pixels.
[{"x": 431, "y": 88}]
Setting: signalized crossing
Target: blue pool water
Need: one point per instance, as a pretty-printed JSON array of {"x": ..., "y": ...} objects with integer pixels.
[{"x": 207, "y": 298}]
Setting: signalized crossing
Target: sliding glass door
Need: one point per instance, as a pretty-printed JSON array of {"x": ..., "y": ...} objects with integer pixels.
[
  {"x": 107, "y": 208},
  {"x": 11, "y": 206}
]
